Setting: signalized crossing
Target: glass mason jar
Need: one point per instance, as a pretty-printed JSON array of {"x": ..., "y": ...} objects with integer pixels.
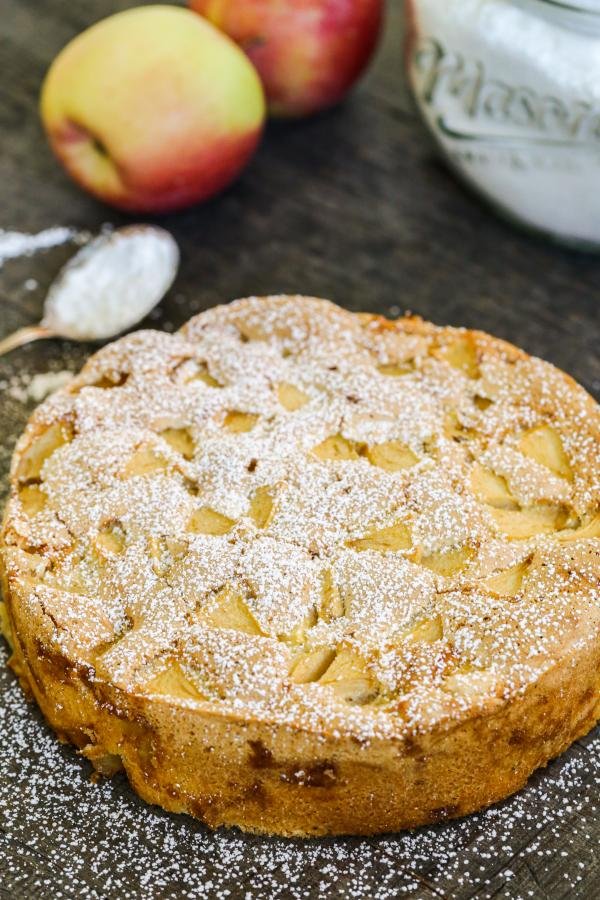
[{"x": 510, "y": 90}]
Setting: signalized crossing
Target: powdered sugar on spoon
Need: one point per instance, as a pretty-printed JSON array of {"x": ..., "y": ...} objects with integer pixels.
[{"x": 107, "y": 287}]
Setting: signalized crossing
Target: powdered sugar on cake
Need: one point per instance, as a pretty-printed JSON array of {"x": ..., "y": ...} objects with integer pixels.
[{"x": 290, "y": 453}]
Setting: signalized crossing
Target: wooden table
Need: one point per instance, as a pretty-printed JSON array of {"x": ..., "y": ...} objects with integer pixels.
[{"x": 354, "y": 206}]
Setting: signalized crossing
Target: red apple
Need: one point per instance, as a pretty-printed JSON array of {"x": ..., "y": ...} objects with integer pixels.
[
  {"x": 308, "y": 52},
  {"x": 153, "y": 109}
]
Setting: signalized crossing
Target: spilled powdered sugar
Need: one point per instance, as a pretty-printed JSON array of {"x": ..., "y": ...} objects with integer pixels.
[
  {"x": 16, "y": 243},
  {"x": 27, "y": 388}
]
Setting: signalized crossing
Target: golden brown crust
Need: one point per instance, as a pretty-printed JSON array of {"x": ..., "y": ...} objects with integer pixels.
[{"x": 259, "y": 650}]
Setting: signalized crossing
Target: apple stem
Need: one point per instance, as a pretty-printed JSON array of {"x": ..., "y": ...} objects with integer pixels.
[{"x": 25, "y": 336}]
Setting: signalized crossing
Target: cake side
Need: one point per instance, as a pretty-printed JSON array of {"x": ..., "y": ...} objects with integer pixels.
[{"x": 280, "y": 780}]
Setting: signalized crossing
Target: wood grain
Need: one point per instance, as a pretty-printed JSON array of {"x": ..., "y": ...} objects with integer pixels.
[{"x": 351, "y": 205}]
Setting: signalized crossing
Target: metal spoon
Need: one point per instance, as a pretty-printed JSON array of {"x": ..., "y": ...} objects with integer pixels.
[{"x": 106, "y": 287}]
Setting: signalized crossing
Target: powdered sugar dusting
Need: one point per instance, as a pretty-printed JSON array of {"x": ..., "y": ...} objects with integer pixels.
[{"x": 341, "y": 510}]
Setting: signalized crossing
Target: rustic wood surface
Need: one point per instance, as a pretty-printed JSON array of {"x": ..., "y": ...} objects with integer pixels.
[{"x": 354, "y": 206}]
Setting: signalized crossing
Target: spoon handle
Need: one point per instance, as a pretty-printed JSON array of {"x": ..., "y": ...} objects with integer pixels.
[{"x": 24, "y": 336}]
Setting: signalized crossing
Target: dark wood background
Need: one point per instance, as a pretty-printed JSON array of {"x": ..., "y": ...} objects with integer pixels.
[{"x": 352, "y": 205}]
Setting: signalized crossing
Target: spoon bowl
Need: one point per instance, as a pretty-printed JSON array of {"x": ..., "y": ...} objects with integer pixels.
[{"x": 106, "y": 288}]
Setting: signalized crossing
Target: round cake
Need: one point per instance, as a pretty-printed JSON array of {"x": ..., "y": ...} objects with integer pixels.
[{"x": 308, "y": 572}]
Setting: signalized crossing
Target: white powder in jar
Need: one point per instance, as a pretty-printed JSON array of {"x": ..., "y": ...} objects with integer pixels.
[{"x": 511, "y": 92}]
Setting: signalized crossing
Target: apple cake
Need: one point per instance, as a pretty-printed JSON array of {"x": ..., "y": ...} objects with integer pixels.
[{"x": 310, "y": 572}]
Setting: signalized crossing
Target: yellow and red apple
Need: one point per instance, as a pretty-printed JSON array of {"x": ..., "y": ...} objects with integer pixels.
[
  {"x": 153, "y": 109},
  {"x": 308, "y": 52}
]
